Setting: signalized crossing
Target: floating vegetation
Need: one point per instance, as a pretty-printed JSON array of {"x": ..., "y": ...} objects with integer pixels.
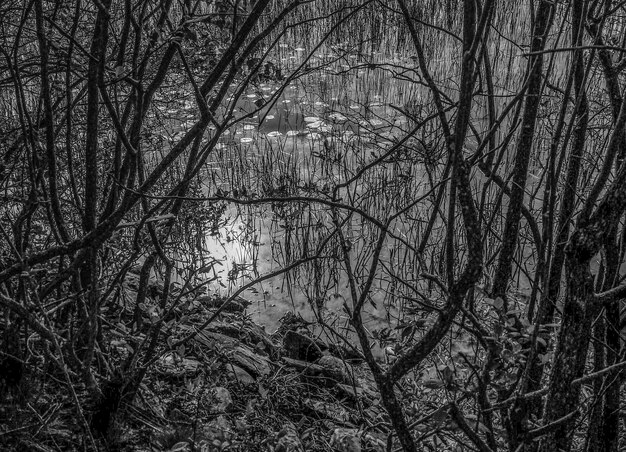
[
  {"x": 376, "y": 122},
  {"x": 337, "y": 117},
  {"x": 274, "y": 134},
  {"x": 315, "y": 125}
]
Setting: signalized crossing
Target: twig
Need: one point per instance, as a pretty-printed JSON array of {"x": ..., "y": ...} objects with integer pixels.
[
  {"x": 547, "y": 428},
  {"x": 611, "y": 295},
  {"x": 148, "y": 220},
  {"x": 26, "y": 315}
]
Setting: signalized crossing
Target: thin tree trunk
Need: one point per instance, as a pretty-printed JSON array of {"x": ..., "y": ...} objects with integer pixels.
[
  {"x": 89, "y": 326},
  {"x": 544, "y": 16},
  {"x": 547, "y": 306},
  {"x": 612, "y": 397},
  {"x": 53, "y": 192}
]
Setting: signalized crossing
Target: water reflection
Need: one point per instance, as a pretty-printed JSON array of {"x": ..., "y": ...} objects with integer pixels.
[
  {"x": 250, "y": 246},
  {"x": 307, "y": 137}
]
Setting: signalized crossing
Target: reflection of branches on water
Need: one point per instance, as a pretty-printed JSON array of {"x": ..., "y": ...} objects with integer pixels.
[
  {"x": 298, "y": 228},
  {"x": 316, "y": 256}
]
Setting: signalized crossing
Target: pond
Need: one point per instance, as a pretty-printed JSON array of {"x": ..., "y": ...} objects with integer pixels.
[
  {"x": 326, "y": 134},
  {"x": 314, "y": 133}
]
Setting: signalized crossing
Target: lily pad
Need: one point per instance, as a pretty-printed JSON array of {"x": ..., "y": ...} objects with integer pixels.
[{"x": 337, "y": 117}]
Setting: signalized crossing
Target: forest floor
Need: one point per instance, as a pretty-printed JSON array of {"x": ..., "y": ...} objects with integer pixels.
[{"x": 232, "y": 387}]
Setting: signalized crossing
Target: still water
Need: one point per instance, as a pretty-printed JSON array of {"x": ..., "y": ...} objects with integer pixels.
[{"x": 317, "y": 131}]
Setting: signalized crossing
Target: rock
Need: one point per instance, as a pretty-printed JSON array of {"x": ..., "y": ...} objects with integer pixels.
[
  {"x": 335, "y": 369},
  {"x": 237, "y": 353},
  {"x": 240, "y": 375},
  {"x": 212, "y": 302},
  {"x": 305, "y": 366},
  {"x": 288, "y": 440},
  {"x": 212, "y": 339},
  {"x": 254, "y": 364},
  {"x": 350, "y": 391},
  {"x": 219, "y": 400},
  {"x": 346, "y": 440},
  {"x": 172, "y": 365},
  {"x": 290, "y": 322},
  {"x": 348, "y": 355},
  {"x": 330, "y": 372},
  {"x": 334, "y": 411},
  {"x": 248, "y": 333},
  {"x": 299, "y": 346}
]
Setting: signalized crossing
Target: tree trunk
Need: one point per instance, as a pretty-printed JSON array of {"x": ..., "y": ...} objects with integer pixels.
[{"x": 544, "y": 16}]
